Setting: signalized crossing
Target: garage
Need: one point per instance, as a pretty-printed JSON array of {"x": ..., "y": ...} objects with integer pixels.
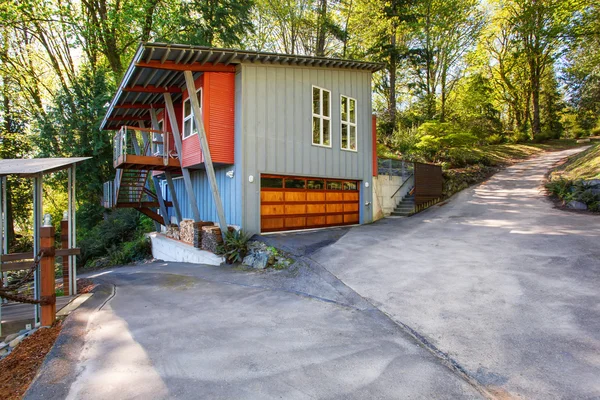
[{"x": 291, "y": 202}]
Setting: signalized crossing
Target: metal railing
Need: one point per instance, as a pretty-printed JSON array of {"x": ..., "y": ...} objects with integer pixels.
[
  {"x": 391, "y": 167},
  {"x": 130, "y": 140}
]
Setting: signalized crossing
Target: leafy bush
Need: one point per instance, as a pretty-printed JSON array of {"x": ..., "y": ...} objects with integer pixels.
[
  {"x": 234, "y": 247},
  {"x": 495, "y": 139},
  {"x": 561, "y": 188},
  {"x": 120, "y": 237}
]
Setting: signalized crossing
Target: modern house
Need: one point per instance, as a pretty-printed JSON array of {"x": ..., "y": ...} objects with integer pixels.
[{"x": 267, "y": 142}]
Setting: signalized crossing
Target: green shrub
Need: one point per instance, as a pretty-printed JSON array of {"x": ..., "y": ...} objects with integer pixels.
[
  {"x": 234, "y": 247},
  {"x": 495, "y": 139},
  {"x": 561, "y": 188}
]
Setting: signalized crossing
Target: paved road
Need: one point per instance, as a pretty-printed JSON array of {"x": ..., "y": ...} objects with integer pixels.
[
  {"x": 505, "y": 284},
  {"x": 198, "y": 332}
]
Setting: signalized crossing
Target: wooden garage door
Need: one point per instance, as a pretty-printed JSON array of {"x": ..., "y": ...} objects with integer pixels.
[{"x": 289, "y": 203}]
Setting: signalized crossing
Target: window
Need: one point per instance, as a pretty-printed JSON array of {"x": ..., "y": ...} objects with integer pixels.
[
  {"x": 189, "y": 126},
  {"x": 321, "y": 121},
  {"x": 269, "y": 182},
  {"x": 348, "y": 118},
  {"x": 291, "y": 183}
]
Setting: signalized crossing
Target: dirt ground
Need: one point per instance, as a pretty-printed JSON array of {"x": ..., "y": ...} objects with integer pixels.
[{"x": 19, "y": 368}]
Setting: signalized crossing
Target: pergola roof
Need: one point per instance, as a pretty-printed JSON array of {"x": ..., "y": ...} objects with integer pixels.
[
  {"x": 157, "y": 68},
  {"x": 33, "y": 166}
]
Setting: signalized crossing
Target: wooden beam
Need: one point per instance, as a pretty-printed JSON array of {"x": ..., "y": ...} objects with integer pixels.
[
  {"x": 153, "y": 89},
  {"x": 210, "y": 169},
  {"x": 132, "y": 118},
  {"x": 128, "y": 106},
  {"x": 172, "y": 66}
]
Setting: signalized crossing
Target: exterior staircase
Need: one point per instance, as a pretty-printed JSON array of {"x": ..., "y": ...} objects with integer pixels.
[{"x": 406, "y": 206}]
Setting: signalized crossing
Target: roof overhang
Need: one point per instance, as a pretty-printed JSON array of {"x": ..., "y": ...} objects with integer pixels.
[
  {"x": 34, "y": 166},
  {"x": 157, "y": 68}
]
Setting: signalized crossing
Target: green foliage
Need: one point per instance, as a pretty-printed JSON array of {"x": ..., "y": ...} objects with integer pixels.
[
  {"x": 561, "y": 188},
  {"x": 235, "y": 246},
  {"x": 120, "y": 237}
]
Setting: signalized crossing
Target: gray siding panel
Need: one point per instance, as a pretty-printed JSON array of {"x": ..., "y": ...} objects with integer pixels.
[{"x": 276, "y": 130}]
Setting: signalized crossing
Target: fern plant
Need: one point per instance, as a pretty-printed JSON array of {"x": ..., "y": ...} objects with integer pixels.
[{"x": 234, "y": 246}]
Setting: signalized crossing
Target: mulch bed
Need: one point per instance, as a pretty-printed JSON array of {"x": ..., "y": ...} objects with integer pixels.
[
  {"x": 18, "y": 369},
  {"x": 84, "y": 285}
]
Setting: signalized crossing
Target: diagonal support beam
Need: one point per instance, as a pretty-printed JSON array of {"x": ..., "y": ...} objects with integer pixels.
[
  {"x": 210, "y": 169},
  {"x": 173, "y": 196},
  {"x": 161, "y": 201},
  {"x": 187, "y": 180}
]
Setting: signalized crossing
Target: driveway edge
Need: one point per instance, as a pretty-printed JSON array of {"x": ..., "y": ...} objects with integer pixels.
[{"x": 58, "y": 371}]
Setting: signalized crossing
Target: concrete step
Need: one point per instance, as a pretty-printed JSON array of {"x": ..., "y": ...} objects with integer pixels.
[{"x": 401, "y": 214}]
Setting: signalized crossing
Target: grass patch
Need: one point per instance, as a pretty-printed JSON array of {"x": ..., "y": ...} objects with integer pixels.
[{"x": 585, "y": 165}]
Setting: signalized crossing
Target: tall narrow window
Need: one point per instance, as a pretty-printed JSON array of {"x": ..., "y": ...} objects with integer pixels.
[
  {"x": 348, "y": 118},
  {"x": 321, "y": 121},
  {"x": 189, "y": 126}
]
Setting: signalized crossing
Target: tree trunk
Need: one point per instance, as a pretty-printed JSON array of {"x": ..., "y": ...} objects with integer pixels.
[
  {"x": 536, "y": 127},
  {"x": 392, "y": 92},
  {"x": 321, "y": 29}
]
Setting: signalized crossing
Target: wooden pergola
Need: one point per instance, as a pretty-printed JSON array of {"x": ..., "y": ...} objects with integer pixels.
[{"x": 43, "y": 233}]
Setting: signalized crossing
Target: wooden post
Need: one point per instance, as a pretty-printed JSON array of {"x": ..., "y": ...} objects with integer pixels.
[
  {"x": 47, "y": 286},
  {"x": 64, "y": 238}
]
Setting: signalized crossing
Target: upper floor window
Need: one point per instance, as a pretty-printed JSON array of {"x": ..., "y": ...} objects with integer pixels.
[
  {"x": 189, "y": 125},
  {"x": 321, "y": 118},
  {"x": 348, "y": 118}
]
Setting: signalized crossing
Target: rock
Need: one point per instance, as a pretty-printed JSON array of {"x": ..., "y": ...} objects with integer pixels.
[
  {"x": 10, "y": 337},
  {"x": 257, "y": 260},
  {"x": 576, "y": 205},
  {"x": 15, "y": 342},
  {"x": 592, "y": 182}
]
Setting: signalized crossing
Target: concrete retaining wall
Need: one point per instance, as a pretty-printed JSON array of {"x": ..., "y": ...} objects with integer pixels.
[
  {"x": 384, "y": 187},
  {"x": 167, "y": 249}
]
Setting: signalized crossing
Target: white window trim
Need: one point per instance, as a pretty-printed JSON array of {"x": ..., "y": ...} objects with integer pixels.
[
  {"x": 191, "y": 116},
  {"x": 321, "y": 117},
  {"x": 354, "y": 124}
]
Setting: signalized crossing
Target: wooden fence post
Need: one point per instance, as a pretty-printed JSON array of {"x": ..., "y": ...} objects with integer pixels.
[
  {"x": 64, "y": 239},
  {"x": 47, "y": 286}
]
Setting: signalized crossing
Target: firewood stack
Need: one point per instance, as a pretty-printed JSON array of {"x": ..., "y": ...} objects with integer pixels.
[
  {"x": 186, "y": 231},
  {"x": 211, "y": 238},
  {"x": 198, "y": 232}
]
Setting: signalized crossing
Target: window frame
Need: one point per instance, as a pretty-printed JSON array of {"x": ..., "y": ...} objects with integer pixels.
[
  {"x": 321, "y": 117},
  {"x": 348, "y": 123},
  {"x": 191, "y": 116}
]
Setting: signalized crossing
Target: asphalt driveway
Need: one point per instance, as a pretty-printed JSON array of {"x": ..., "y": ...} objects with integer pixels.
[
  {"x": 499, "y": 280},
  {"x": 185, "y": 331}
]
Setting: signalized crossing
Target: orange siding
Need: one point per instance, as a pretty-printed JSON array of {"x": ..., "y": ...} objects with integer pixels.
[{"x": 218, "y": 117}]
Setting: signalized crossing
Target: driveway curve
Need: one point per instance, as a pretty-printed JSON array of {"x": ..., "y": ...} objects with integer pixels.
[{"x": 499, "y": 280}]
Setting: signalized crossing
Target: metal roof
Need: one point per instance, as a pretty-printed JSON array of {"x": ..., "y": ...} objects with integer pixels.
[
  {"x": 34, "y": 166},
  {"x": 157, "y": 67}
]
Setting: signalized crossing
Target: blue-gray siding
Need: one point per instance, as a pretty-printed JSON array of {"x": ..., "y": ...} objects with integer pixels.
[{"x": 228, "y": 188}]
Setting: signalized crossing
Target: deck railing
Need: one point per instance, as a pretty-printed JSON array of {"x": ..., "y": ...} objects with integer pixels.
[{"x": 130, "y": 140}]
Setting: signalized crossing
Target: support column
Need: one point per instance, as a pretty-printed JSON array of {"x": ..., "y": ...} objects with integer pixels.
[
  {"x": 174, "y": 200},
  {"x": 47, "y": 282},
  {"x": 210, "y": 169},
  {"x": 37, "y": 223},
  {"x": 64, "y": 239},
  {"x": 161, "y": 201},
  {"x": 187, "y": 180},
  {"x": 72, "y": 239}
]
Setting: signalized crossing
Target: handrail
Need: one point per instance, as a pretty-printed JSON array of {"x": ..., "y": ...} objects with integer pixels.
[
  {"x": 154, "y": 143},
  {"x": 403, "y": 183}
]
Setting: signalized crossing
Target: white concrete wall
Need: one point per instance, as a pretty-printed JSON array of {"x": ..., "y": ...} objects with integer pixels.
[
  {"x": 167, "y": 249},
  {"x": 384, "y": 187}
]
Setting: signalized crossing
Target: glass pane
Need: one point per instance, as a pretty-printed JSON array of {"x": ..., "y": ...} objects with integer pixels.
[
  {"x": 344, "y": 108},
  {"x": 334, "y": 185},
  {"x": 271, "y": 182},
  {"x": 353, "y": 137},
  {"x": 316, "y": 130},
  {"x": 187, "y": 109},
  {"x": 326, "y": 103},
  {"x": 316, "y": 184},
  {"x": 291, "y": 183},
  {"x": 161, "y": 125},
  {"x": 326, "y": 134},
  {"x": 316, "y": 101},
  {"x": 199, "y": 95},
  {"x": 187, "y": 128},
  {"x": 352, "y": 110},
  {"x": 349, "y": 185},
  {"x": 344, "y": 136}
]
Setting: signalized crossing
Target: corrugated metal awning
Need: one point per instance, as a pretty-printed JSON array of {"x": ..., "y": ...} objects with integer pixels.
[
  {"x": 33, "y": 166},
  {"x": 157, "y": 68}
]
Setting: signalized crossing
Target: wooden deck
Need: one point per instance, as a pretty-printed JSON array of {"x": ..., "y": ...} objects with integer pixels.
[{"x": 151, "y": 163}]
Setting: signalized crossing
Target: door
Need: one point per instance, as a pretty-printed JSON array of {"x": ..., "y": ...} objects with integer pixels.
[{"x": 290, "y": 202}]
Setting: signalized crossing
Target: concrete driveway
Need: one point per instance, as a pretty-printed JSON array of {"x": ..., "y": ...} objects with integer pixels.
[
  {"x": 505, "y": 285},
  {"x": 186, "y": 331}
]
